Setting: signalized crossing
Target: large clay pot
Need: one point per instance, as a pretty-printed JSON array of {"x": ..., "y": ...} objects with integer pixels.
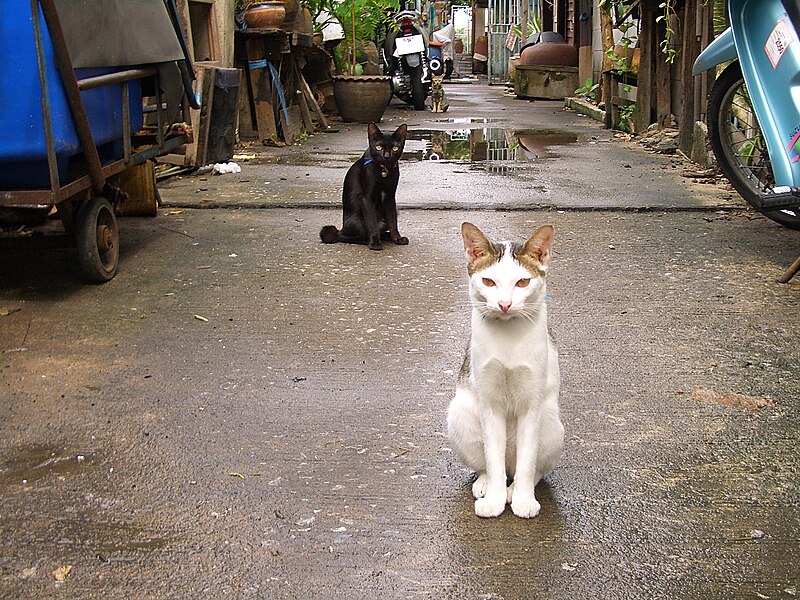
[
  {"x": 265, "y": 15},
  {"x": 362, "y": 98},
  {"x": 553, "y": 54}
]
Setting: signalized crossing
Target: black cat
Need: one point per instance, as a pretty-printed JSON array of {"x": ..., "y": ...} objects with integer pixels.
[{"x": 368, "y": 197}]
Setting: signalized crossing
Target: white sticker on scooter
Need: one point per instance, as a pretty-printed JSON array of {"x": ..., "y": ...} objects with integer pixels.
[{"x": 778, "y": 42}]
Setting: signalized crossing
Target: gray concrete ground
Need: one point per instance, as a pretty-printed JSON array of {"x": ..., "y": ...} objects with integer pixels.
[{"x": 244, "y": 412}]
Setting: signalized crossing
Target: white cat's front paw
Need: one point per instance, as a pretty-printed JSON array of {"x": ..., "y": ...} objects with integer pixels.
[
  {"x": 479, "y": 487},
  {"x": 525, "y": 505},
  {"x": 490, "y": 506}
]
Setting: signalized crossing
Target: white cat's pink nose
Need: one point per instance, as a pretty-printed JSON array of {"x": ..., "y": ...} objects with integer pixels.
[{"x": 504, "y": 306}]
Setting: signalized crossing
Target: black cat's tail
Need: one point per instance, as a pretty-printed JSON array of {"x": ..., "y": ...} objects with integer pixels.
[{"x": 329, "y": 234}]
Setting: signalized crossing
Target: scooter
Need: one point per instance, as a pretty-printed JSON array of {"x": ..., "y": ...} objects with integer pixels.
[
  {"x": 405, "y": 59},
  {"x": 753, "y": 112}
]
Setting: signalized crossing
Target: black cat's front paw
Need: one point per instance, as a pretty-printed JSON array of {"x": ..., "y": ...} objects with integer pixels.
[
  {"x": 375, "y": 245},
  {"x": 401, "y": 241}
]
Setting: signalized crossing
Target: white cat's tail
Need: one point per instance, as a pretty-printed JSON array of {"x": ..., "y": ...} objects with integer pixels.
[
  {"x": 464, "y": 429},
  {"x": 329, "y": 234}
]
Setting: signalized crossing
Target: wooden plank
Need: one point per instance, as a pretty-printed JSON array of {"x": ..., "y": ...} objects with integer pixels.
[
  {"x": 645, "y": 99},
  {"x": 312, "y": 102},
  {"x": 301, "y": 99},
  {"x": 139, "y": 183},
  {"x": 663, "y": 95},
  {"x": 207, "y": 101},
  {"x": 608, "y": 94},
  {"x": 261, "y": 90},
  {"x": 293, "y": 128},
  {"x": 308, "y": 123},
  {"x": 689, "y": 52}
]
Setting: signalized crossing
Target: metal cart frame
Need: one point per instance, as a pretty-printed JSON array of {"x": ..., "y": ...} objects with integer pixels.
[{"x": 86, "y": 205}]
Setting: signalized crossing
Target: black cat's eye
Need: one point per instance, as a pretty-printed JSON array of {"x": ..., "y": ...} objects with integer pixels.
[
  {"x": 378, "y": 147},
  {"x": 395, "y": 147},
  {"x": 523, "y": 283},
  {"x": 488, "y": 282}
]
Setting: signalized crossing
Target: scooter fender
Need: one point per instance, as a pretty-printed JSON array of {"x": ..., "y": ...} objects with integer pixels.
[
  {"x": 721, "y": 50},
  {"x": 412, "y": 60},
  {"x": 769, "y": 53}
]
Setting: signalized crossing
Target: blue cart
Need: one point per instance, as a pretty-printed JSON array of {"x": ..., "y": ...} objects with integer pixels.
[{"x": 67, "y": 130}]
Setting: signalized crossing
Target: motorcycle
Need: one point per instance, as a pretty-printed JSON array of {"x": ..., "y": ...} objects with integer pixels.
[
  {"x": 405, "y": 59},
  {"x": 753, "y": 111}
]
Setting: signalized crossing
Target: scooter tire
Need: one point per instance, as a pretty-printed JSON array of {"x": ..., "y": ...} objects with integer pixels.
[
  {"x": 417, "y": 89},
  {"x": 751, "y": 178}
]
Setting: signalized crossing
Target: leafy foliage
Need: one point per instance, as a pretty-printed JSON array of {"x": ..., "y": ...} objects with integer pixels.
[
  {"x": 588, "y": 90},
  {"x": 362, "y": 21}
]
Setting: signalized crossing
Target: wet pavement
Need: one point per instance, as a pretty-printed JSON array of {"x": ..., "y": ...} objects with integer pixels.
[{"x": 244, "y": 412}]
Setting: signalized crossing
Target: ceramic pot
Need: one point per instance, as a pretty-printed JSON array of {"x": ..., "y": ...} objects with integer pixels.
[
  {"x": 551, "y": 54},
  {"x": 265, "y": 15},
  {"x": 362, "y": 98}
]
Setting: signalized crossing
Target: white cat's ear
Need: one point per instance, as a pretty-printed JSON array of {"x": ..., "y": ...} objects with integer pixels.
[
  {"x": 476, "y": 245},
  {"x": 540, "y": 244}
]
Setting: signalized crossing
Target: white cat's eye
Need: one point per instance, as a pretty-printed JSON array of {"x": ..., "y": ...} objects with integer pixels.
[
  {"x": 488, "y": 282},
  {"x": 523, "y": 283}
]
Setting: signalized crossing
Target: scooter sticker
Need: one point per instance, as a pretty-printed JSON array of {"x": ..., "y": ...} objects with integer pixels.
[
  {"x": 794, "y": 148},
  {"x": 778, "y": 42}
]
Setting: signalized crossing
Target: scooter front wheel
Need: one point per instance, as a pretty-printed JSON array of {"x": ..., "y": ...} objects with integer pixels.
[{"x": 739, "y": 145}]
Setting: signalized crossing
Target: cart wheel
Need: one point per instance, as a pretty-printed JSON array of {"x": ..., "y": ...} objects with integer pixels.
[{"x": 97, "y": 238}]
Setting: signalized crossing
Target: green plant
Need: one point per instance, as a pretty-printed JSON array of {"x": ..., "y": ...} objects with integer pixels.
[
  {"x": 362, "y": 21},
  {"x": 621, "y": 60},
  {"x": 317, "y": 8},
  {"x": 588, "y": 90},
  {"x": 534, "y": 26},
  {"x": 667, "y": 47},
  {"x": 625, "y": 114}
]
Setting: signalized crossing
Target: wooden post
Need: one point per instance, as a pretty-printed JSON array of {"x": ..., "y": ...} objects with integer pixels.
[
  {"x": 261, "y": 89},
  {"x": 584, "y": 20},
  {"x": 646, "y": 80},
  {"x": 689, "y": 52},
  {"x": 607, "y": 35}
]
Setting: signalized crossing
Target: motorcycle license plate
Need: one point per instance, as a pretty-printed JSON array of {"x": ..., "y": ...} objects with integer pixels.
[{"x": 409, "y": 45}]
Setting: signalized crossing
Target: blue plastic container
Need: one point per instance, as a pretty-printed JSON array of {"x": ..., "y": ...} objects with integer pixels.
[{"x": 23, "y": 148}]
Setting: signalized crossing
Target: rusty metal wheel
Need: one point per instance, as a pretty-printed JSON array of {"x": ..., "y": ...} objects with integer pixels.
[{"x": 97, "y": 239}]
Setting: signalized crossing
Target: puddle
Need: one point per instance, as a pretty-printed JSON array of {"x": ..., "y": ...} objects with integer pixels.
[
  {"x": 39, "y": 462},
  {"x": 493, "y": 149},
  {"x": 467, "y": 121}
]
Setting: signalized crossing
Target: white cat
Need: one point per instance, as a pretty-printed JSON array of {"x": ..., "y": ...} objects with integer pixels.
[{"x": 503, "y": 421}]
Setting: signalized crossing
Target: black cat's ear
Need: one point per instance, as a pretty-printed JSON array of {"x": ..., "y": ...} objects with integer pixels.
[
  {"x": 540, "y": 245},
  {"x": 373, "y": 132},
  {"x": 476, "y": 245},
  {"x": 400, "y": 133}
]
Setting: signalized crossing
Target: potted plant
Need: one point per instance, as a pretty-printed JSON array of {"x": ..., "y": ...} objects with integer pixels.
[{"x": 360, "y": 98}]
